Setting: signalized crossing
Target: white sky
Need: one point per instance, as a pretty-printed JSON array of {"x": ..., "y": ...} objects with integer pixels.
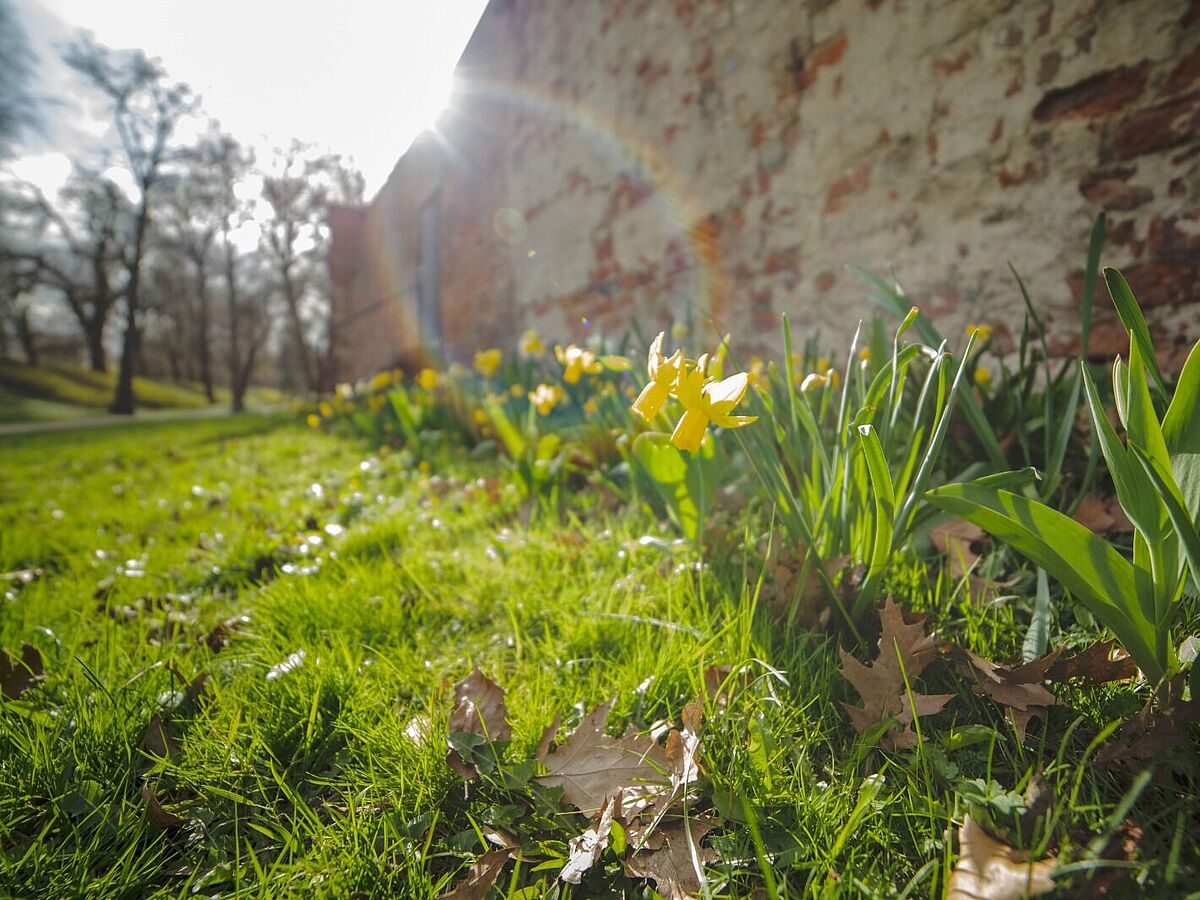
[{"x": 357, "y": 77}]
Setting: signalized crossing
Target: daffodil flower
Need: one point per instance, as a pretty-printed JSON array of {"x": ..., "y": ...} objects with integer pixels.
[
  {"x": 705, "y": 403},
  {"x": 487, "y": 362},
  {"x": 531, "y": 344},
  {"x": 663, "y": 372},
  {"x": 427, "y": 379},
  {"x": 545, "y": 397},
  {"x": 576, "y": 361}
]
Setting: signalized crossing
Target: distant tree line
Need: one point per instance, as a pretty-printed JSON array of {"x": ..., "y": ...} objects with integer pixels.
[{"x": 191, "y": 259}]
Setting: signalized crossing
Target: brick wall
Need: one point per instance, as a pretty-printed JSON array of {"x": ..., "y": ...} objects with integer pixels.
[{"x": 716, "y": 162}]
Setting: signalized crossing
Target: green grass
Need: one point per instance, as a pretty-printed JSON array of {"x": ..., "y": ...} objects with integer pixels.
[
  {"x": 76, "y": 386},
  {"x": 307, "y": 784}
]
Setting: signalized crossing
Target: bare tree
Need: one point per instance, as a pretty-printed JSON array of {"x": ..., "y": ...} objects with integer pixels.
[
  {"x": 18, "y": 110},
  {"x": 299, "y": 191},
  {"x": 145, "y": 111}
]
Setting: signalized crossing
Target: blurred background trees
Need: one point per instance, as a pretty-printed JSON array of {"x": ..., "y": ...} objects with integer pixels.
[{"x": 171, "y": 251}]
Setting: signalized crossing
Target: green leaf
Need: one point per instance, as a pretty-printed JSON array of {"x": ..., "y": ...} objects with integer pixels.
[
  {"x": 505, "y": 429},
  {"x": 1185, "y": 525},
  {"x": 1095, "y": 243},
  {"x": 885, "y": 514},
  {"x": 1095, "y": 573},
  {"x": 667, "y": 468},
  {"x": 1134, "y": 322},
  {"x": 1181, "y": 433},
  {"x": 1037, "y": 638}
]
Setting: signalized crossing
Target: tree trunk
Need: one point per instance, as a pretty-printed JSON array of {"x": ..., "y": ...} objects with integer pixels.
[
  {"x": 93, "y": 335},
  {"x": 297, "y": 323},
  {"x": 26, "y": 336},
  {"x": 203, "y": 354},
  {"x": 236, "y": 390},
  {"x": 124, "y": 402}
]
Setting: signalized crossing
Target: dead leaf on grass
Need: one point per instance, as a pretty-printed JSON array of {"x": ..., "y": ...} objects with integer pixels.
[
  {"x": 222, "y": 633},
  {"x": 591, "y": 766},
  {"x": 158, "y": 740},
  {"x": 1159, "y": 727},
  {"x": 481, "y": 876},
  {"x": 1100, "y": 663},
  {"x": 18, "y": 675},
  {"x": 159, "y": 816},
  {"x": 794, "y": 591},
  {"x": 881, "y": 685},
  {"x": 675, "y": 860},
  {"x": 1102, "y": 514},
  {"x": 988, "y": 869},
  {"x": 1020, "y": 691},
  {"x": 961, "y": 540},
  {"x": 479, "y": 709},
  {"x": 587, "y": 849}
]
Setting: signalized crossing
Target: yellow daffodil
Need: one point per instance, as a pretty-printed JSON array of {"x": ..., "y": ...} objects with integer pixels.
[
  {"x": 812, "y": 381},
  {"x": 823, "y": 363},
  {"x": 576, "y": 361},
  {"x": 531, "y": 344},
  {"x": 982, "y": 377},
  {"x": 487, "y": 362},
  {"x": 480, "y": 417},
  {"x": 663, "y": 372},
  {"x": 516, "y": 390},
  {"x": 427, "y": 379},
  {"x": 757, "y": 368},
  {"x": 865, "y": 354},
  {"x": 705, "y": 403},
  {"x": 982, "y": 332},
  {"x": 381, "y": 380},
  {"x": 345, "y": 391},
  {"x": 314, "y": 421},
  {"x": 545, "y": 397},
  {"x": 325, "y": 409}
]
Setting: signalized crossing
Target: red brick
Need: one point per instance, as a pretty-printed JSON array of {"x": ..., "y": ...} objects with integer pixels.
[
  {"x": 1097, "y": 95},
  {"x": 1159, "y": 127},
  {"x": 1185, "y": 74},
  {"x": 1169, "y": 282},
  {"x": 952, "y": 66},
  {"x": 852, "y": 183},
  {"x": 1110, "y": 188},
  {"x": 1167, "y": 240}
]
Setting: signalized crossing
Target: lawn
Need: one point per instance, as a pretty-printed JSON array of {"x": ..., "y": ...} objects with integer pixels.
[{"x": 250, "y": 632}]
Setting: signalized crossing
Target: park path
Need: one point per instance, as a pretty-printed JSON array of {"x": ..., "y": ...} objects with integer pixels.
[{"x": 15, "y": 429}]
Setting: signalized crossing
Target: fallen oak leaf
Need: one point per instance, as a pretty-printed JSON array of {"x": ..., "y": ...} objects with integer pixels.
[
  {"x": 591, "y": 766},
  {"x": 589, "y": 846},
  {"x": 19, "y": 675},
  {"x": 480, "y": 877},
  {"x": 1098, "y": 664},
  {"x": 904, "y": 650},
  {"x": 547, "y": 738},
  {"x": 1156, "y": 729},
  {"x": 479, "y": 710},
  {"x": 1020, "y": 691},
  {"x": 1101, "y": 514},
  {"x": 958, "y": 538},
  {"x": 154, "y": 809},
  {"x": 676, "y": 860},
  {"x": 989, "y": 869}
]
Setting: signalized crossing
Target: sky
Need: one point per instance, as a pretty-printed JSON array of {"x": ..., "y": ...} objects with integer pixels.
[{"x": 358, "y": 77}]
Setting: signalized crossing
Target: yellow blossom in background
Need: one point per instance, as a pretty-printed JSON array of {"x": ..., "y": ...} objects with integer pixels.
[
  {"x": 314, "y": 421},
  {"x": 982, "y": 377},
  {"x": 480, "y": 417},
  {"x": 590, "y": 406},
  {"x": 757, "y": 367},
  {"x": 517, "y": 390},
  {"x": 325, "y": 409},
  {"x": 427, "y": 379},
  {"x": 345, "y": 391},
  {"x": 823, "y": 363},
  {"x": 608, "y": 389},
  {"x": 380, "y": 381},
  {"x": 545, "y": 397},
  {"x": 375, "y": 403},
  {"x": 865, "y": 354},
  {"x": 424, "y": 467},
  {"x": 982, "y": 332},
  {"x": 531, "y": 344},
  {"x": 488, "y": 361},
  {"x": 663, "y": 372},
  {"x": 705, "y": 403},
  {"x": 834, "y": 376},
  {"x": 576, "y": 361}
]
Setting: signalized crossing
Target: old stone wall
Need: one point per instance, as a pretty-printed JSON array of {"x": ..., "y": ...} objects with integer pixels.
[{"x": 717, "y": 162}]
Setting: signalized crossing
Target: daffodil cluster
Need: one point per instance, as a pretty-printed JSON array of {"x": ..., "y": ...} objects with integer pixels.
[{"x": 706, "y": 400}]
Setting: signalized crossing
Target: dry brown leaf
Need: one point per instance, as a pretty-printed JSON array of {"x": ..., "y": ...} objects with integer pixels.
[
  {"x": 159, "y": 816},
  {"x": 158, "y": 740},
  {"x": 960, "y": 539},
  {"x": 589, "y": 846},
  {"x": 1099, "y": 663},
  {"x": 18, "y": 675},
  {"x": 591, "y": 766},
  {"x": 222, "y": 633},
  {"x": 791, "y": 591},
  {"x": 881, "y": 685},
  {"x": 481, "y": 876},
  {"x": 671, "y": 860},
  {"x": 1156, "y": 729},
  {"x": 988, "y": 869},
  {"x": 547, "y": 738},
  {"x": 479, "y": 709},
  {"x": 1020, "y": 691},
  {"x": 1102, "y": 514}
]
